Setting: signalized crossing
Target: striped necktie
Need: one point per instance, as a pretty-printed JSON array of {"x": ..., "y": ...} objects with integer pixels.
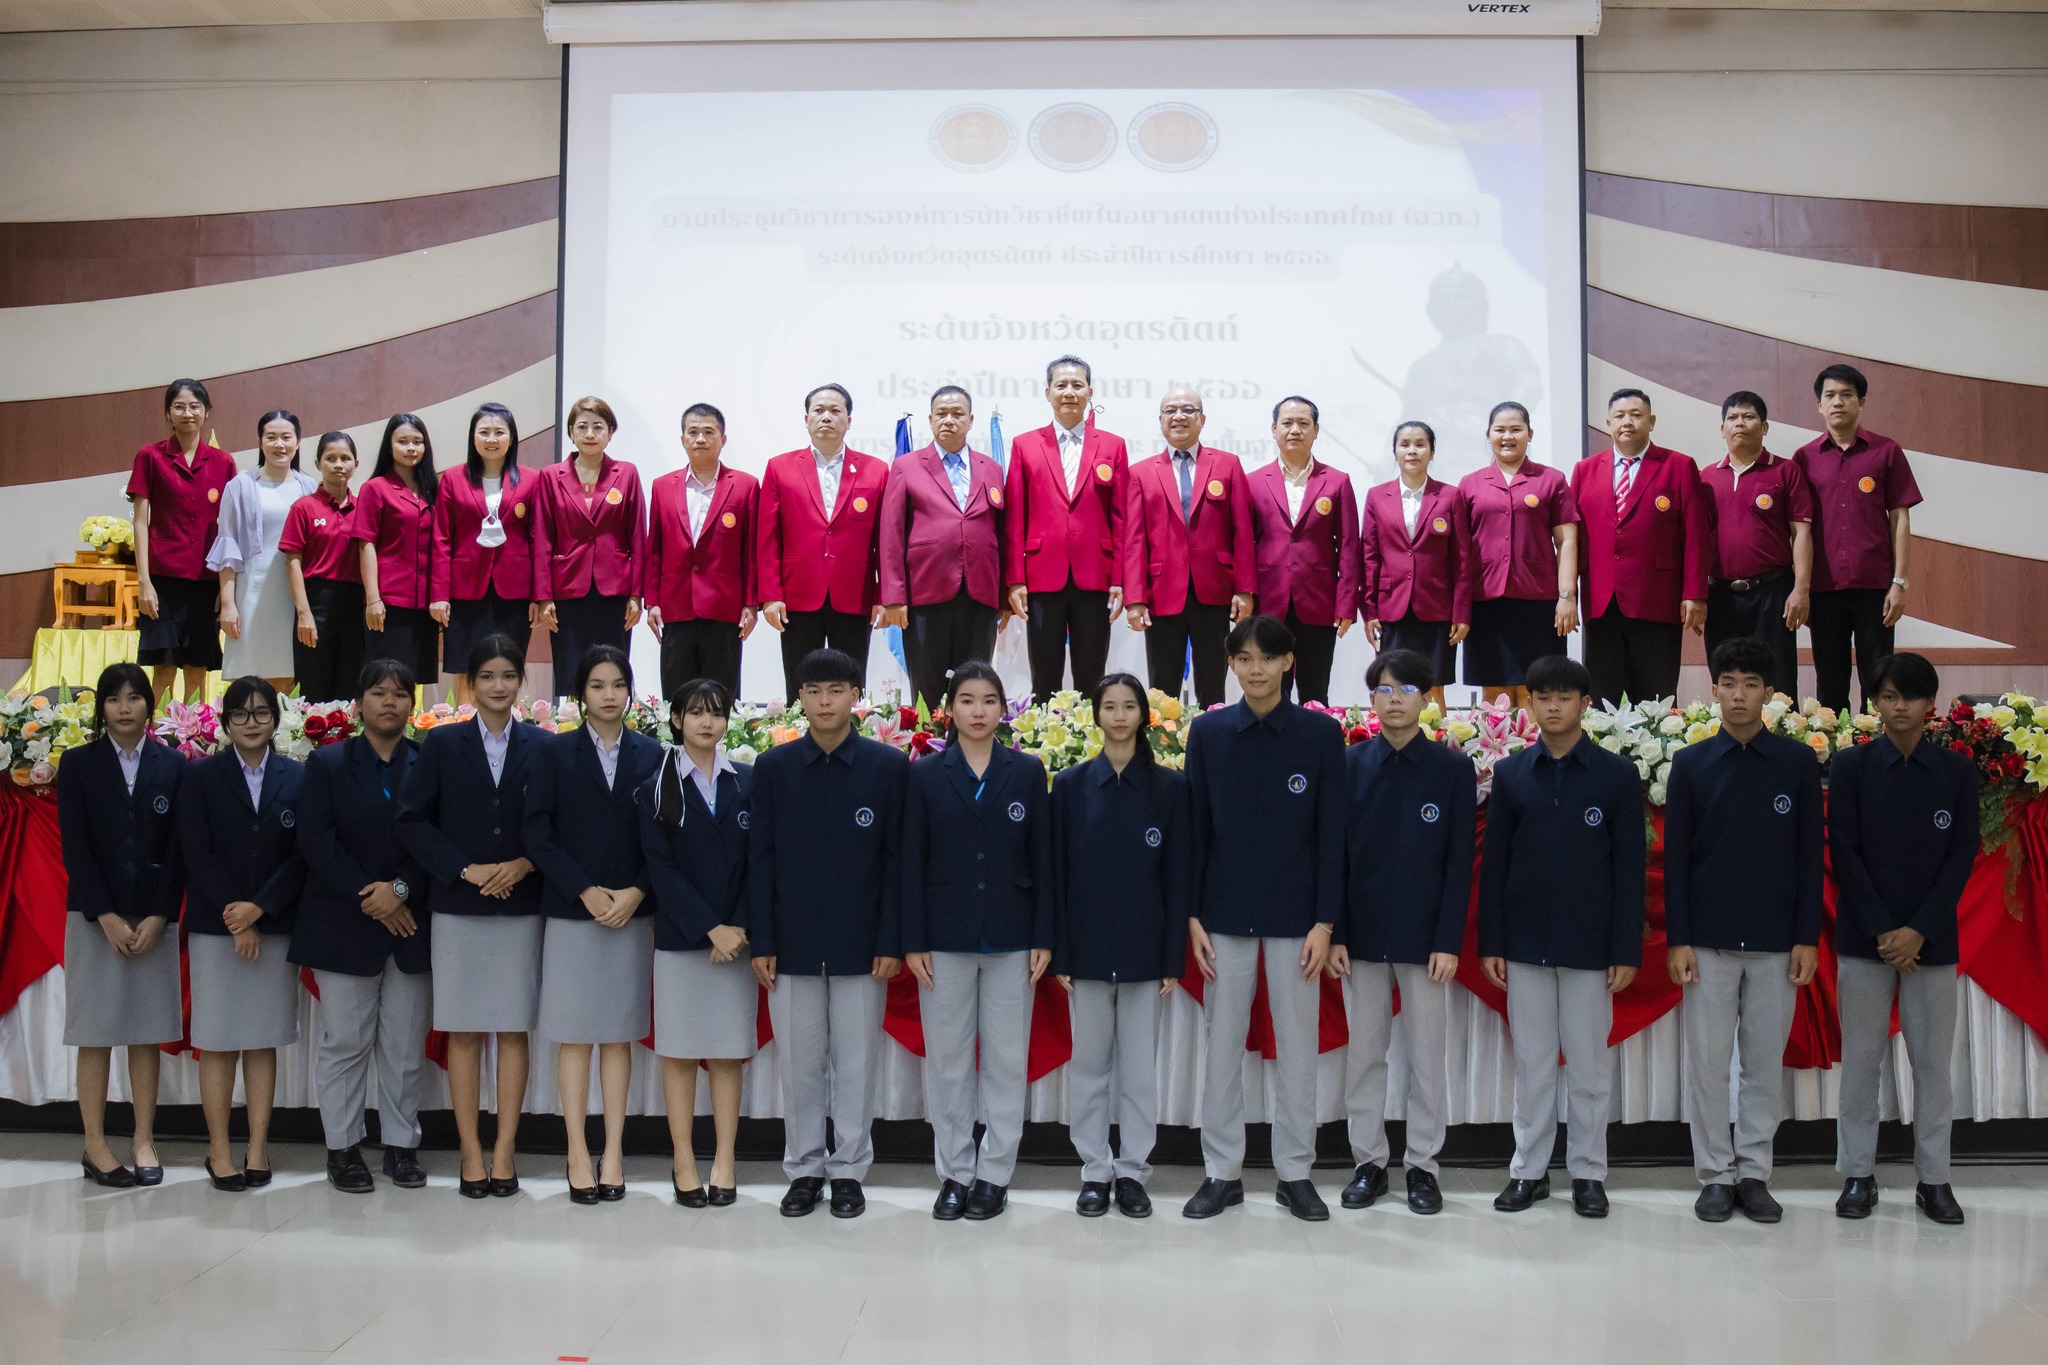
[{"x": 1624, "y": 480}]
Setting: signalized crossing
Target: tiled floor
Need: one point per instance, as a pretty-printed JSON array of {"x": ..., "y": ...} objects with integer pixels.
[{"x": 298, "y": 1273}]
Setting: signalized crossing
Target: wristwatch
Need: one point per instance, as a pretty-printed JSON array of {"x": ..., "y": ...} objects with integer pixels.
[
  {"x": 1899, "y": 583},
  {"x": 400, "y": 889}
]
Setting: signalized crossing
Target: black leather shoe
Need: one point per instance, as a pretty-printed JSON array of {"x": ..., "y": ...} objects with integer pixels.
[
  {"x": 847, "y": 1199},
  {"x": 1520, "y": 1194},
  {"x": 690, "y": 1199},
  {"x": 1858, "y": 1198},
  {"x": 506, "y": 1188},
  {"x": 120, "y": 1178},
  {"x": 1094, "y": 1200},
  {"x": 986, "y": 1200},
  {"x": 1299, "y": 1198},
  {"x": 1213, "y": 1197},
  {"x": 473, "y": 1189},
  {"x": 227, "y": 1184},
  {"x": 1716, "y": 1204},
  {"x": 802, "y": 1196},
  {"x": 720, "y": 1196},
  {"x": 1754, "y": 1199},
  {"x": 951, "y": 1203},
  {"x": 402, "y": 1164},
  {"x": 1424, "y": 1196},
  {"x": 254, "y": 1178},
  {"x": 347, "y": 1173},
  {"x": 1589, "y": 1198},
  {"x": 1131, "y": 1199},
  {"x": 149, "y": 1175},
  {"x": 1367, "y": 1184},
  {"x": 610, "y": 1194},
  {"x": 1938, "y": 1202}
]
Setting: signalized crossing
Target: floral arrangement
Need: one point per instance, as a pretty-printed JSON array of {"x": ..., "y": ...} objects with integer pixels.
[
  {"x": 107, "y": 533},
  {"x": 35, "y": 731},
  {"x": 193, "y": 729}
]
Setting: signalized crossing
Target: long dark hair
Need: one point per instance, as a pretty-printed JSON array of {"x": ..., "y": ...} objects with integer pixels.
[
  {"x": 278, "y": 415},
  {"x": 474, "y": 463},
  {"x": 1144, "y": 735},
  {"x": 423, "y": 473},
  {"x": 698, "y": 694},
  {"x": 974, "y": 670}
]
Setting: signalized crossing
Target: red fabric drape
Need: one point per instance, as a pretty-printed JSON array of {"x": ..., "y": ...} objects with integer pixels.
[
  {"x": 32, "y": 886},
  {"x": 1052, "y": 1023}
]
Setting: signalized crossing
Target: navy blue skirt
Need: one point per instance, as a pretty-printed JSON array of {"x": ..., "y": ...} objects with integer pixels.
[
  {"x": 469, "y": 622},
  {"x": 1430, "y": 639},
  {"x": 186, "y": 628},
  {"x": 1509, "y": 634}
]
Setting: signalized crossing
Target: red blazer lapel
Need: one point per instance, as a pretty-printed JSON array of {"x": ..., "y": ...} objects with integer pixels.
[
  {"x": 1648, "y": 471},
  {"x": 807, "y": 461},
  {"x": 721, "y": 490}
]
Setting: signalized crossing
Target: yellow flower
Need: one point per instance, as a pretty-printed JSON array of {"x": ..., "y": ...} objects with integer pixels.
[
  {"x": 1432, "y": 714},
  {"x": 1699, "y": 730},
  {"x": 1818, "y": 742},
  {"x": 1461, "y": 730},
  {"x": 2004, "y": 716},
  {"x": 1167, "y": 707}
]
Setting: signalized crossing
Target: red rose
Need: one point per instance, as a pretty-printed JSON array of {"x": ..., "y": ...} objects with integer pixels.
[
  {"x": 1960, "y": 746},
  {"x": 1356, "y": 735},
  {"x": 316, "y": 726},
  {"x": 906, "y": 717},
  {"x": 920, "y": 743}
]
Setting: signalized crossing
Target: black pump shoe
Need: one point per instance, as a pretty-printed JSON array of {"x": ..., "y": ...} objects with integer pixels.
[
  {"x": 120, "y": 1178},
  {"x": 254, "y": 1177},
  {"x": 721, "y": 1196},
  {"x": 473, "y": 1189},
  {"x": 610, "y": 1194},
  {"x": 502, "y": 1189},
  {"x": 233, "y": 1183},
  {"x": 690, "y": 1199}
]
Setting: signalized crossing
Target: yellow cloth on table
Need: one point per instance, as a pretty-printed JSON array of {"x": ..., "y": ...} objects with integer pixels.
[{"x": 74, "y": 658}]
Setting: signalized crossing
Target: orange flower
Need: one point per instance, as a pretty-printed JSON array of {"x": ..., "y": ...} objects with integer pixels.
[
  {"x": 781, "y": 734},
  {"x": 1155, "y": 715}
]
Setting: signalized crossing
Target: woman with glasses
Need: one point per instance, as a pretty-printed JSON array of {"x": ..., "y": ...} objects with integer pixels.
[
  {"x": 176, "y": 488},
  {"x": 238, "y": 825},
  {"x": 589, "y": 539}
]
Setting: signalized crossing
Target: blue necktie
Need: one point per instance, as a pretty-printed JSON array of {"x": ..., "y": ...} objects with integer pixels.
[
  {"x": 956, "y": 474},
  {"x": 1185, "y": 463}
]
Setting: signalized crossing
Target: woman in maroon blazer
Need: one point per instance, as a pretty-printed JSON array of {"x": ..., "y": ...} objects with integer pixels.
[
  {"x": 1305, "y": 525},
  {"x": 1415, "y": 556},
  {"x": 176, "y": 488},
  {"x": 394, "y": 524},
  {"x": 483, "y": 544},
  {"x": 589, "y": 536}
]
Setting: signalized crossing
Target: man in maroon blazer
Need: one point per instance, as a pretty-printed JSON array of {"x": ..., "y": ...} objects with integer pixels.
[
  {"x": 1192, "y": 568},
  {"x": 942, "y": 549},
  {"x": 817, "y": 562},
  {"x": 1063, "y": 543},
  {"x": 1647, "y": 548},
  {"x": 699, "y": 575},
  {"x": 1305, "y": 525}
]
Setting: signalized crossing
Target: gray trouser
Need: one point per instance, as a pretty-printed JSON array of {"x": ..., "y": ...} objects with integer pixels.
[
  {"x": 1424, "y": 1009},
  {"x": 1553, "y": 1008},
  {"x": 986, "y": 995},
  {"x": 1227, "y": 1007},
  {"x": 828, "y": 1032},
  {"x": 1740, "y": 1008},
  {"x": 360, "y": 1016},
  {"x": 1115, "y": 1067},
  {"x": 1927, "y": 1019}
]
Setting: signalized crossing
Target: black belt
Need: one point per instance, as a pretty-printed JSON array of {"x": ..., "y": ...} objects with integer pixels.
[{"x": 1751, "y": 584}]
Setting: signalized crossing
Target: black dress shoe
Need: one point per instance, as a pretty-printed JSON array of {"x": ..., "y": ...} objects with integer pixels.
[
  {"x": 721, "y": 1196},
  {"x": 1858, "y": 1197},
  {"x": 847, "y": 1199},
  {"x": 149, "y": 1175},
  {"x": 951, "y": 1203},
  {"x": 1754, "y": 1198},
  {"x": 1520, "y": 1194},
  {"x": 473, "y": 1189},
  {"x": 1589, "y": 1198},
  {"x": 986, "y": 1200},
  {"x": 1938, "y": 1202},
  {"x": 506, "y": 1188},
  {"x": 232, "y": 1183},
  {"x": 254, "y": 1177},
  {"x": 690, "y": 1199},
  {"x": 120, "y": 1178},
  {"x": 402, "y": 1164},
  {"x": 1212, "y": 1197},
  {"x": 1131, "y": 1199},
  {"x": 1367, "y": 1184},
  {"x": 610, "y": 1194},
  {"x": 802, "y": 1196},
  {"x": 1716, "y": 1204},
  {"x": 1299, "y": 1198},
  {"x": 586, "y": 1195},
  {"x": 346, "y": 1171},
  {"x": 1094, "y": 1200},
  {"x": 1424, "y": 1196}
]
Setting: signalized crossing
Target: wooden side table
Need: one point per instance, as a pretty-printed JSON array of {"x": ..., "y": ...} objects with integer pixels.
[{"x": 104, "y": 594}]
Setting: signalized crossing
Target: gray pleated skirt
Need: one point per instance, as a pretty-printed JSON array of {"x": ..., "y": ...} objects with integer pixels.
[
  {"x": 115, "y": 1001},
  {"x": 704, "y": 1009},
  {"x": 486, "y": 973},
  {"x": 596, "y": 984},
  {"x": 238, "y": 1005}
]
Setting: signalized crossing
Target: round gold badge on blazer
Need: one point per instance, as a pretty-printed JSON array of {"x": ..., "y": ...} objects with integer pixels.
[
  {"x": 1663, "y": 504},
  {"x": 1867, "y": 484},
  {"x": 1439, "y": 526},
  {"x": 1323, "y": 506},
  {"x": 728, "y": 521},
  {"x": 213, "y": 495},
  {"x": 518, "y": 509},
  {"x": 615, "y": 497},
  {"x": 995, "y": 497},
  {"x": 1531, "y": 499},
  {"x": 1102, "y": 472},
  {"x": 1763, "y": 502},
  {"x": 1215, "y": 488},
  {"x": 860, "y": 504}
]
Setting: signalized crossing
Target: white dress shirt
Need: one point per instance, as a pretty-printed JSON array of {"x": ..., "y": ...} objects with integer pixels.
[
  {"x": 829, "y": 471},
  {"x": 607, "y": 757},
  {"x": 131, "y": 763},
  {"x": 1073, "y": 442},
  {"x": 697, "y": 498},
  {"x": 495, "y": 747},
  {"x": 253, "y": 777},
  {"x": 1411, "y": 506},
  {"x": 1297, "y": 489},
  {"x": 707, "y": 786}
]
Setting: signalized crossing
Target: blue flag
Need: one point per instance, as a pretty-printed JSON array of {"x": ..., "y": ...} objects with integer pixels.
[
  {"x": 894, "y": 635},
  {"x": 995, "y": 440}
]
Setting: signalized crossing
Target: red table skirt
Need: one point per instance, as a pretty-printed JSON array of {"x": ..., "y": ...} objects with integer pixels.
[{"x": 2004, "y": 946}]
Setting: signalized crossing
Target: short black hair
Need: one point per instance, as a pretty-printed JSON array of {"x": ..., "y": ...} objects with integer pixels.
[
  {"x": 1743, "y": 398},
  {"x": 1269, "y": 633},
  {"x": 1509, "y": 406},
  {"x": 828, "y": 666},
  {"x": 706, "y": 410},
  {"x": 1074, "y": 360},
  {"x": 1137, "y": 689},
  {"x": 945, "y": 389},
  {"x": 244, "y": 690},
  {"x": 1425, "y": 428},
  {"x": 1620, "y": 394},
  {"x": 496, "y": 647},
  {"x": 1315, "y": 414},
  {"x": 1909, "y": 674},
  {"x": 1848, "y": 374},
  {"x": 1558, "y": 673},
  {"x": 1402, "y": 666},
  {"x": 1742, "y": 655},
  {"x": 113, "y": 678},
  {"x": 596, "y": 656},
  {"x": 380, "y": 671},
  {"x": 839, "y": 389}
]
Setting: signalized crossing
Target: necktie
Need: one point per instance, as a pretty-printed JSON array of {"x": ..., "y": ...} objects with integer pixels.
[
  {"x": 1624, "y": 480},
  {"x": 1185, "y": 463},
  {"x": 956, "y": 474}
]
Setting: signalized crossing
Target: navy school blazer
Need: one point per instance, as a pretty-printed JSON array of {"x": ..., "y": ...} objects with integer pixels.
[
  {"x": 348, "y": 837},
  {"x": 581, "y": 834},
  {"x": 698, "y": 866},
  {"x": 1902, "y": 836},
  {"x": 977, "y": 873},
  {"x": 451, "y": 815},
  {"x": 121, "y": 851},
  {"x": 238, "y": 852},
  {"x": 1408, "y": 856},
  {"x": 1123, "y": 874}
]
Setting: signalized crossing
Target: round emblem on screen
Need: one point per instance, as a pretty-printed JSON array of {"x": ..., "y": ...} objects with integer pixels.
[
  {"x": 1763, "y": 502},
  {"x": 863, "y": 817},
  {"x": 162, "y": 806},
  {"x": 1431, "y": 813},
  {"x": 728, "y": 521},
  {"x": 518, "y": 509},
  {"x": 1323, "y": 506},
  {"x": 1530, "y": 499},
  {"x": 1439, "y": 526},
  {"x": 1173, "y": 137},
  {"x": 1867, "y": 484},
  {"x": 973, "y": 137},
  {"x": 288, "y": 817},
  {"x": 213, "y": 495},
  {"x": 995, "y": 497},
  {"x": 860, "y": 504},
  {"x": 1297, "y": 784},
  {"x": 1594, "y": 815},
  {"x": 1072, "y": 137},
  {"x": 1153, "y": 838},
  {"x": 745, "y": 819},
  {"x": 1663, "y": 504},
  {"x": 615, "y": 497},
  {"x": 1942, "y": 819},
  {"x": 1782, "y": 805},
  {"x": 1017, "y": 812},
  {"x": 1215, "y": 488}
]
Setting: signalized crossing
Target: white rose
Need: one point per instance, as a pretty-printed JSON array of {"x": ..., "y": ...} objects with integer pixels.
[
  {"x": 1657, "y": 793},
  {"x": 1671, "y": 725},
  {"x": 1642, "y": 771}
]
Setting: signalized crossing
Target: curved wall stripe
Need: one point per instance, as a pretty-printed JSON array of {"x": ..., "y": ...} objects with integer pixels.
[
  {"x": 1958, "y": 242},
  {"x": 51, "y": 263},
  {"x": 116, "y": 344},
  {"x": 99, "y": 433},
  {"x": 1690, "y": 36},
  {"x": 1968, "y": 419}
]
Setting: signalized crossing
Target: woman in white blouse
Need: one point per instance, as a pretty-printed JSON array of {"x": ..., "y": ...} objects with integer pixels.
[{"x": 256, "y": 610}]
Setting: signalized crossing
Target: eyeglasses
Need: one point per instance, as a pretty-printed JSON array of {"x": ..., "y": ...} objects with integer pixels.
[
  {"x": 263, "y": 717},
  {"x": 1396, "y": 689},
  {"x": 1181, "y": 410}
]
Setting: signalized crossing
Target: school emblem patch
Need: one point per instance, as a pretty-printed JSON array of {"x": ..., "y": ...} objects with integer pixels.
[
  {"x": 1594, "y": 815},
  {"x": 1663, "y": 504},
  {"x": 863, "y": 817},
  {"x": 1530, "y": 499},
  {"x": 518, "y": 509},
  {"x": 1323, "y": 506},
  {"x": 728, "y": 521},
  {"x": 745, "y": 819},
  {"x": 860, "y": 504},
  {"x": 1942, "y": 819},
  {"x": 1215, "y": 488},
  {"x": 1103, "y": 473},
  {"x": 1763, "y": 502},
  {"x": 1153, "y": 838},
  {"x": 1867, "y": 484},
  {"x": 1439, "y": 526},
  {"x": 1431, "y": 813},
  {"x": 995, "y": 497},
  {"x": 615, "y": 497},
  {"x": 1782, "y": 805},
  {"x": 1017, "y": 812},
  {"x": 288, "y": 817},
  {"x": 162, "y": 806},
  {"x": 1297, "y": 784},
  {"x": 213, "y": 495}
]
